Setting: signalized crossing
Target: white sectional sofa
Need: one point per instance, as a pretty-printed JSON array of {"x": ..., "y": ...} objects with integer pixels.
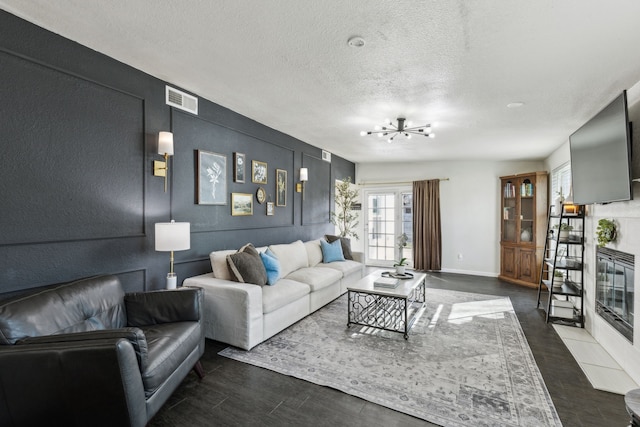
[{"x": 244, "y": 315}]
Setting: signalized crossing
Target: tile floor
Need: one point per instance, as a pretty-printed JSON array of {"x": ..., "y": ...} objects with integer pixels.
[{"x": 602, "y": 371}]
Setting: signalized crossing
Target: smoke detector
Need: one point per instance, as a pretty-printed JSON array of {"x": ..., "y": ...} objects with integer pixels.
[{"x": 356, "y": 41}]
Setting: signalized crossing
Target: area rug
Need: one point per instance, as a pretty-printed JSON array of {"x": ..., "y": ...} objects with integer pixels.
[{"x": 466, "y": 362}]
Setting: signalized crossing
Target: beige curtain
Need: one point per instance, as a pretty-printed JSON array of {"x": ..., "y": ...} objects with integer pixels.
[{"x": 427, "y": 237}]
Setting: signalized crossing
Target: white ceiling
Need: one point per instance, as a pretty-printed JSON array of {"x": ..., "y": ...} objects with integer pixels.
[{"x": 286, "y": 64}]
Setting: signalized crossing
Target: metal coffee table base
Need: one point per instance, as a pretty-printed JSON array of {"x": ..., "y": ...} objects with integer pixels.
[{"x": 387, "y": 312}]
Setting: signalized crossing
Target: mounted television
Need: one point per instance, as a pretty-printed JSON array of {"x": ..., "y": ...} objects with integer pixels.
[{"x": 601, "y": 156}]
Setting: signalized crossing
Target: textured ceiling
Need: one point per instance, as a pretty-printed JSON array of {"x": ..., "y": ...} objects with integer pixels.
[{"x": 286, "y": 64}]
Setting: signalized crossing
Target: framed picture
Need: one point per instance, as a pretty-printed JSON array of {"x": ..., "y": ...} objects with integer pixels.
[
  {"x": 258, "y": 172},
  {"x": 270, "y": 208},
  {"x": 238, "y": 167},
  {"x": 281, "y": 187},
  {"x": 241, "y": 204},
  {"x": 212, "y": 178}
]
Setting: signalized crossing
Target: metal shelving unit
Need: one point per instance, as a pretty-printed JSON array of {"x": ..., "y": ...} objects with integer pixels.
[{"x": 564, "y": 256}]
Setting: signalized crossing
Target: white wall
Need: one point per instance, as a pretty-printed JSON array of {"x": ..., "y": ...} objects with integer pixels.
[
  {"x": 469, "y": 206},
  {"x": 627, "y": 217}
]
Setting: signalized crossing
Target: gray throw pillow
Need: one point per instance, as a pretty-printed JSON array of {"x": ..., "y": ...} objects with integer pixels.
[
  {"x": 344, "y": 242},
  {"x": 246, "y": 266}
]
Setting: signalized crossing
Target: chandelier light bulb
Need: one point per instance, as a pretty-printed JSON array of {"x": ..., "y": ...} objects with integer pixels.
[
  {"x": 432, "y": 135},
  {"x": 402, "y": 127}
]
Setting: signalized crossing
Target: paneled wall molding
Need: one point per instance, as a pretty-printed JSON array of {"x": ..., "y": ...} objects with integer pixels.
[{"x": 79, "y": 134}]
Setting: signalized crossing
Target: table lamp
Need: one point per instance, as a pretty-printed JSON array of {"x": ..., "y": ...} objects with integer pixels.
[{"x": 172, "y": 236}]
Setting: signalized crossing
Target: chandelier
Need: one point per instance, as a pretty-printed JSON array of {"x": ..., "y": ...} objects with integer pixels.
[{"x": 402, "y": 128}]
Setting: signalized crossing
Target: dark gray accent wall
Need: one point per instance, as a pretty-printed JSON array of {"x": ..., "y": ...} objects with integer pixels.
[{"x": 79, "y": 136}]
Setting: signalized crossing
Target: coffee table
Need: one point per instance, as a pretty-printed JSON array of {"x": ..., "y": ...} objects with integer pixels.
[{"x": 385, "y": 308}]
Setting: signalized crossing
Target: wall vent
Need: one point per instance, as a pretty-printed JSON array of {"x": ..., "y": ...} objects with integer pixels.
[
  {"x": 184, "y": 101},
  {"x": 326, "y": 156}
]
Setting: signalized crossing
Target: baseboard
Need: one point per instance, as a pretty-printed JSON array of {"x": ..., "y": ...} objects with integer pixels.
[{"x": 469, "y": 272}]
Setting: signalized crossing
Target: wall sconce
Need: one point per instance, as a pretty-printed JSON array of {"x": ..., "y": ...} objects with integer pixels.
[
  {"x": 172, "y": 236},
  {"x": 165, "y": 148},
  {"x": 304, "y": 176}
]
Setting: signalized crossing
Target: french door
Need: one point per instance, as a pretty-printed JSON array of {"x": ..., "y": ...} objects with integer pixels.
[{"x": 389, "y": 214}]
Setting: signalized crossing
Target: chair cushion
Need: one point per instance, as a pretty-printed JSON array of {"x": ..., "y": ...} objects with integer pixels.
[
  {"x": 316, "y": 278},
  {"x": 85, "y": 305},
  {"x": 284, "y": 292},
  {"x": 246, "y": 266},
  {"x": 292, "y": 256},
  {"x": 168, "y": 345},
  {"x": 331, "y": 252},
  {"x": 347, "y": 267},
  {"x": 344, "y": 242},
  {"x": 314, "y": 252}
]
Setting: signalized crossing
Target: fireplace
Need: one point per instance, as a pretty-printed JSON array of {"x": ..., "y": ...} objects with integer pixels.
[{"x": 614, "y": 289}]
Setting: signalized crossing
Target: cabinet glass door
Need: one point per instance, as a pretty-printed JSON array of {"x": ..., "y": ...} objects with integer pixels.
[
  {"x": 509, "y": 211},
  {"x": 527, "y": 211}
]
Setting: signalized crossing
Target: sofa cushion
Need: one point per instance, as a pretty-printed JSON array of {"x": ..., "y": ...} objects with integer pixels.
[
  {"x": 316, "y": 278},
  {"x": 331, "y": 252},
  {"x": 292, "y": 256},
  {"x": 271, "y": 265},
  {"x": 284, "y": 292},
  {"x": 84, "y": 305},
  {"x": 314, "y": 252},
  {"x": 347, "y": 267},
  {"x": 219, "y": 264},
  {"x": 246, "y": 266},
  {"x": 168, "y": 344},
  {"x": 344, "y": 242}
]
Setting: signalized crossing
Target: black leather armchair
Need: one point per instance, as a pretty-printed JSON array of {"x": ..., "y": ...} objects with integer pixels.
[{"x": 86, "y": 353}]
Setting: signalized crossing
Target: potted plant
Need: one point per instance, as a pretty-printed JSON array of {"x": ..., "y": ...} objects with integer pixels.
[
  {"x": 564, "y": 230},
  {"x": 400, "y": 266},
  {"x": 606, "y": 231},
  {"x": 344, "y": 217}
]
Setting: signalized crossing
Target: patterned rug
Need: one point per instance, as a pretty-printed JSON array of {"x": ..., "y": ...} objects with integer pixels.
[{"x": 466, "y": 362}]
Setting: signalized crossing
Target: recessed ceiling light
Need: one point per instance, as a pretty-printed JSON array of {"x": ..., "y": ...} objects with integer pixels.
[
  {"x": 515, "y": 104},
  {"x": 356, "y": 41}
]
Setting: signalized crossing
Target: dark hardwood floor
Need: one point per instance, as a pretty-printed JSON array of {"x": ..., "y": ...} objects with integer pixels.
[{"x": 237, "y": 394}]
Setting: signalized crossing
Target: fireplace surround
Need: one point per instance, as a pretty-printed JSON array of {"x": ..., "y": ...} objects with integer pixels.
[{"x": 615, "y": 289}]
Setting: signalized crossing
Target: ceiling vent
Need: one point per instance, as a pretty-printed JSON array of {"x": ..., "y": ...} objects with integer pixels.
[
  {"x": 184, "y": 101},
  {"x": 326, "y": 156}
]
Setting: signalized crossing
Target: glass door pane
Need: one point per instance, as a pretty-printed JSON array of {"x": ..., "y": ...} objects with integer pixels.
[{"x": 389, "y": 214}]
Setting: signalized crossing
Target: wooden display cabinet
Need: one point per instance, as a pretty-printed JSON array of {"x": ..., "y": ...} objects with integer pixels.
[{"x": 522, "y": 231}]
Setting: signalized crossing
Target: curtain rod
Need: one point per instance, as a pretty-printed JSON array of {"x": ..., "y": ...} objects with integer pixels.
[{"x": 397, "y": 182}]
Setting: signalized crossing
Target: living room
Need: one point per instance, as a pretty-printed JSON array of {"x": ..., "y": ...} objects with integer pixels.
[{"x": 81, "y": 198}]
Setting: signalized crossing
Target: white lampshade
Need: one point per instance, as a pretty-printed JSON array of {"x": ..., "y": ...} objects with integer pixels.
[
  {"x": 165, "y": 143},
  {"x": 173, "y": 236},
  {"x": 304, "y": 174}
]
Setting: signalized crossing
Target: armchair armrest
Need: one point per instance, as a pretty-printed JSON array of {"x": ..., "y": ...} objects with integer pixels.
[
  {"x": 151, "y": 308},
  {"x": 134, "y": 335},
  {"x": 71, "y": 383}
]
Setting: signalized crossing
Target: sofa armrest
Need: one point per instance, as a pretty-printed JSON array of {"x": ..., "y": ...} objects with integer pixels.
[
  {"x": 232, "y": 310},
  {"x": 71, "y": 383},
  {"x": 358, "y": 256},
  {"x": 134, "y": 335},
  {"x": 152, "y": 308}
]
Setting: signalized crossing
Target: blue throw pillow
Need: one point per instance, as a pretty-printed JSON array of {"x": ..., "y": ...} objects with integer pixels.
[
  {"x": 331, "y": 251},
  {"x": 272, "y": 265}
]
